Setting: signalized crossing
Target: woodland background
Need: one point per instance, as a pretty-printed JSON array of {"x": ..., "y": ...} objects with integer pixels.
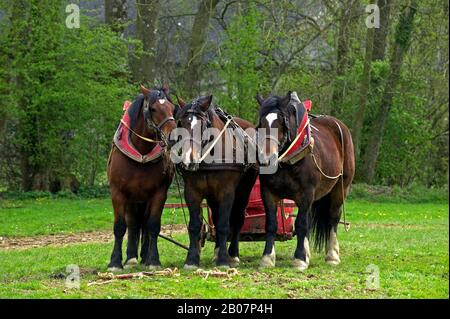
[{"x": 62, "y": 90}]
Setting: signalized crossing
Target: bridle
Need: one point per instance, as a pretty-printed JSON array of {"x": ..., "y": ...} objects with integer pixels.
[
  {"x": 151, "y": 123},
  {"x": 204, "y": 120},
  {"x": 289, "y": 132}
]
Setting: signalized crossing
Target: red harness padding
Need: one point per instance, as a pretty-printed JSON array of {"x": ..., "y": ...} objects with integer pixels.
[
  {"x": 123, "y": 142},
  {"x": 297, "y": 149}
]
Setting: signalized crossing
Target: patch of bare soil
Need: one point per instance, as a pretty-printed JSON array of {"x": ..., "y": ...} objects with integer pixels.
[{"x": 9, "y": 243}]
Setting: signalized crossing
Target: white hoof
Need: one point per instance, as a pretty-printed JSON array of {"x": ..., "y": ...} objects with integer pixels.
[
  {"x": 333, "y": 260},
  {"x": 114, "y": 269},
  {"x": 131, "y": 263},
  {"x": 190, "y": 267},
  {"x": 234, "y": 261},
  {"x": 268, "y": 261},
  {"x": 300, "y": 265}
]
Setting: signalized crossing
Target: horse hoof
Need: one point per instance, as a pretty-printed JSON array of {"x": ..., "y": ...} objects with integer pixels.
[
  {"x": 190, "y": 267},
  {"x": 234, "y": 261},
  {"x": 333, "y": 261},
  {"x": 153, "y": 267},
  {"x": 131, "y": 263},
  {"x": 332, "y": 258},
  {"x": 223, "y": 267},
  {"x": 268, "y": 261},
  {"x": 114, "y": 269},
  {"x": 300, "y": 265}
]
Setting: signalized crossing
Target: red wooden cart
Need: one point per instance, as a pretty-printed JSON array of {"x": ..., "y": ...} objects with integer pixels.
[
  {"x": 255, "y": 219},
  {"x": 254, "y": 223}
]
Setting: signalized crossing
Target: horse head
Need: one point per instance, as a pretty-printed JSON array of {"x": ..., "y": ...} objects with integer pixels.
[
  {"x": 279, "y": 117},
  {"x": 158, "y": 111},
  {"x": 194, "y": 117}
]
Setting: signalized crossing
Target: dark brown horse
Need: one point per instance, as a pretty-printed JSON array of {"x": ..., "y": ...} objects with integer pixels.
[
  {"x": 315, "y": 182},
  {"x": 139, "y": 190},
  {"x": 226, "y": 187}
]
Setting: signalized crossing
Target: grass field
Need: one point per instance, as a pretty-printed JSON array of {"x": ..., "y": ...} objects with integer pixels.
[{"x": 408, "y": 243}]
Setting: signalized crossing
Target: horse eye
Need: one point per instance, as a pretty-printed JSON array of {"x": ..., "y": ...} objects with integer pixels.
[{"x": 152, "y": 109}]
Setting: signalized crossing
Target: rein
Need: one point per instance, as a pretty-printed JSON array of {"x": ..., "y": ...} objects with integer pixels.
[
  {"x": 205, "y": 154},
  {"x": 293, "y": 142},
  {"x": 341, "y": 175},
  {"x": 140, "y": 136}
]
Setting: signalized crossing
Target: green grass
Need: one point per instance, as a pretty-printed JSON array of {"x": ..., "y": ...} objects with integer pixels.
[
  {"x": 46, "y": 216},
  {"x": 408, "y": 243}
]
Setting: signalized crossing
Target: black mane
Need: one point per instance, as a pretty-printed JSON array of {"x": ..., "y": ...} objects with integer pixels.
[
  {"x": 194, "y": 105},
  {"x": 271, "y": 104}
]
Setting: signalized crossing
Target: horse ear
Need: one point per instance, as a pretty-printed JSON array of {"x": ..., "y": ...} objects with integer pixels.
[
  {"x": 206, "y": 102},
  {"x": 180, "y": 101},
  {"x": 144, "y": 90},
  {"x": 295, "y": 97},
  {"x": 259, "y": 98},
  {"x": 166, "y": 88}
]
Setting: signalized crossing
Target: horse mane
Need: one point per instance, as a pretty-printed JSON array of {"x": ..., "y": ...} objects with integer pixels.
[
  {"x": 135, "y": 107},
  {"x": 182, "y": 111},
  {"x": 271, "y": 103}
]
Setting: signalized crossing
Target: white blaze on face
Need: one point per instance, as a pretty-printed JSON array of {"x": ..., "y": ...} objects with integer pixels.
[
  {"x": 194, "y": 122},
  {"x": 271, "y": 117},
  {"x": 187, "y": 158},
  {"x": 162, "y": 101}
]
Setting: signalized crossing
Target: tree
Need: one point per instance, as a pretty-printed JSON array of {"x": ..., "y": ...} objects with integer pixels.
[
  {"x": 381, "y": 33},
  {"x": 402, "y": 41},
  {"x": 347, "y": 17},
  {"x": 199, "y": 35},
  {"x": 67, "y": 87},
  {"x": 147, "y": 32},
  {"x": 116, "y": 14}
]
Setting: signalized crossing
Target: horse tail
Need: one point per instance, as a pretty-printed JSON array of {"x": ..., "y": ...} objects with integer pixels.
[{"x": 320, "y": 222}]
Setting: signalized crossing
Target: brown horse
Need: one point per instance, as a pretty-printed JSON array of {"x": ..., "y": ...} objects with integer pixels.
[
  {"x": 139, "y": 190},
  {"x": 318, "y": 183},
  {"x": 226, "y": 187}
]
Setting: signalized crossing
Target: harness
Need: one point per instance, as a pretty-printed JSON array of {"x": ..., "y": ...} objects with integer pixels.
[
  {"x": 122, "y": 136},
  {"x": 206, "y": 123},
  {"x": 303, "y": 142}
]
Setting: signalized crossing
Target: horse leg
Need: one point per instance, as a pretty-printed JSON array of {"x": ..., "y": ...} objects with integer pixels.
[
  {"x": 145, "y": 237},
  {"x": 238, "y": 213},
  {"x": 223, "y": 229},
  {"x": 133, "y": 224},
  {"x": 270, "y": 207},
  {"x": 236, "y": 222},
  {"x": 120, "y": 227},
  {"x": 332, "y": 256},
  {"x": 302, "y": 226},
  {"x": 155, "y": 207},
  {"x": 214, "y": 206},
  {"x": 193, "y": 201}
]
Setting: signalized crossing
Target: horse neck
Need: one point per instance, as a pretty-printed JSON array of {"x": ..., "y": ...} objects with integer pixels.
[{"x": 142, "y": 146}]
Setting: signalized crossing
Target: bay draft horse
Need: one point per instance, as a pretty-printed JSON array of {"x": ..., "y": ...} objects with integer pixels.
[
  {"x": 226, "y": 187},
  {"x": 319, "y": 198},
  {"x": 139, "y": 190}
]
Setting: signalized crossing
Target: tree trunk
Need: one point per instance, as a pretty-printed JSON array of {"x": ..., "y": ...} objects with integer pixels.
[
  {"x": 199, "y": 35},
  {"x": 402, "y": 41},
  {"x": 147, "y": 30},
  {"x": 381, "y": 33},
  {"x": 358, "y": 119},
  {"x": 342, "y": 58},
  {"x": 116, "y": 14}
]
